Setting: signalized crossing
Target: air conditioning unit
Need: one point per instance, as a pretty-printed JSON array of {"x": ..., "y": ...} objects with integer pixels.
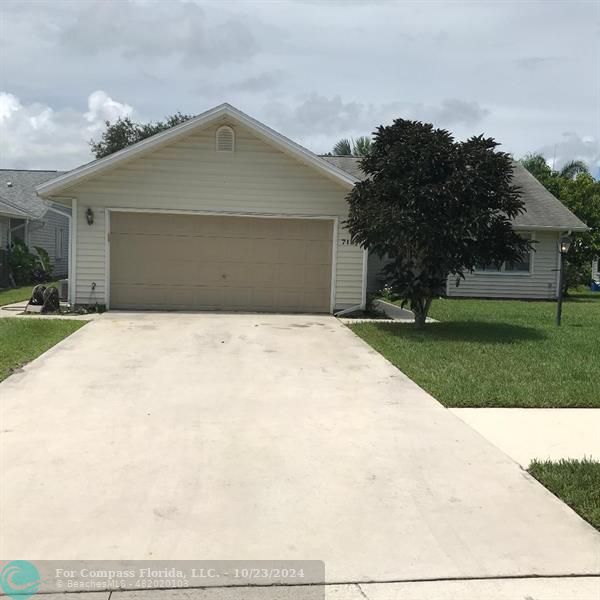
[{"x": 63, "y": 289}]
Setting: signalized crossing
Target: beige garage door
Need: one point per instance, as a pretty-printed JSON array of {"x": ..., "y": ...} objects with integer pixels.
[{"x": 160, "y": 261}]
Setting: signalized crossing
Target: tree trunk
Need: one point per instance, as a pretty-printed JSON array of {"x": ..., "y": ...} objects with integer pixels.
[{"x": 420, "y": 309}]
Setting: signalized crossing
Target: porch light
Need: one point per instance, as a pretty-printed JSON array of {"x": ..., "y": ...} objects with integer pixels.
[
  {"x": 565, "y": 244},
  {"x": 89, "y": 216}
]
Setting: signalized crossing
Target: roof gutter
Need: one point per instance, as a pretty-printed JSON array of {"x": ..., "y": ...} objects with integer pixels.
[{"x": 549, "y": 228}]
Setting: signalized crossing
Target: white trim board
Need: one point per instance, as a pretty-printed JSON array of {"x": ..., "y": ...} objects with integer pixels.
[
  {"x": 221, "y": 112},
  {"x": 335, "y": 228}
]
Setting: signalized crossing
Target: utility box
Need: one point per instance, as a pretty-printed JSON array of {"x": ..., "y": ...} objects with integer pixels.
[{"x": 63, "y": 289}]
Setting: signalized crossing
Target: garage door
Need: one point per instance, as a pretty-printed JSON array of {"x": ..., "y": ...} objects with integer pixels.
[{"x": 160, "y": 261}]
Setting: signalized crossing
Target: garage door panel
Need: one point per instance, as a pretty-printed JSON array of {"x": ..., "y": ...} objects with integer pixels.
[{"x": 220, "y": 262}]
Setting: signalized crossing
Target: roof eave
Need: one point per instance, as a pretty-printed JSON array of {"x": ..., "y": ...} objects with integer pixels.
[{"x": 575, "y": 228}]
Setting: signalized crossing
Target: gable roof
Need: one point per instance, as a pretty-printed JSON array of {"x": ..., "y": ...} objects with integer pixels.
[
  {"x": 542, "y": 209},
  {"x": 17, "y": 192},
  {"x": 56, "y": 185}
]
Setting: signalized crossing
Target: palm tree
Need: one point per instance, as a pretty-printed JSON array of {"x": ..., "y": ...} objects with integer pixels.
[
  {"x": 362, "y": 145},
  {"x": 358, "y": 147},
  {"x": 343, "y": 148},
  {"x": 574, "y": 168},
  {"x": 536, "y": 164}
]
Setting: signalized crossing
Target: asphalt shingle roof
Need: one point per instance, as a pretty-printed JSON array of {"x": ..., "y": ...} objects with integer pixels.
[
  {"x": 542, "y": 209},
  {"x": 17, "y": 190}
]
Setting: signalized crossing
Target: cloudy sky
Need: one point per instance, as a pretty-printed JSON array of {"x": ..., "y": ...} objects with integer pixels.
[{"x": 524, "y": 72}]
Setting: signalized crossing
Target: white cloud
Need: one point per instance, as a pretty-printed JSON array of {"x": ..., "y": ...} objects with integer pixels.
[
  {"x": 37, "y": 136},
  {"x": 101, "y": 107}
]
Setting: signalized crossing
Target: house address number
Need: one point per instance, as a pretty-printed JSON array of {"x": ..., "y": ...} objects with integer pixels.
[{"x": 346, "y": 242}]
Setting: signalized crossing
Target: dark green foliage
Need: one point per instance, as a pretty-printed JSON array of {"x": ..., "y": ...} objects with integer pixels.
[
  {"x": 27, "y": 267},
  {"x": 580, "y": 193},
  {"x": 125, "y": 132},
  {"x": 436, "y": 207}
]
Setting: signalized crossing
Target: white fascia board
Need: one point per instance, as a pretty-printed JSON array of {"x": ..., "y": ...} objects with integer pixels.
[
  {"x": 547, "y": 228},
  {"x": 54, "y": 186}
]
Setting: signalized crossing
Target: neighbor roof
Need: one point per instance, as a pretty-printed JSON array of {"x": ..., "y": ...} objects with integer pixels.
[
  {"x": 543, "y": 210},
  {"x": 8, "y": 210},
  {"x": 17, "y": 192},
  {"x": 203, "y": 120}
]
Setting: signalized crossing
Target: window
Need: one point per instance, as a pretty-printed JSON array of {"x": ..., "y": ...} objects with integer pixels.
[
  {"x": 225, "y": 139},
  {"x": 522, "y": 267},
  {"x": 58, "y": 239}
]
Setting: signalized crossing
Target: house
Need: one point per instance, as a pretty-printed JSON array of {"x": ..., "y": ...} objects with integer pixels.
[
  {"x": 220, "y": 212},
  {"x": 25, "y": 216},
  {"x": 544, "y": 221}
]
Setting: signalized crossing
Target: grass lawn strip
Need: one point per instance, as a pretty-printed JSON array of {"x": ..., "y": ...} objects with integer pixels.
[
  {"x": 23, "y": 339},
  {"x": 575, "y": 482},
  {"x": 19, "y": 294},
  {"x": 499, "y": 353}
]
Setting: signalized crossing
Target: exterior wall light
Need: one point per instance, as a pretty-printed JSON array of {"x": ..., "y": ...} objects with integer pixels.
[
  {"x": 565, "y": 244},
  {"x": 89, "y": 216}
]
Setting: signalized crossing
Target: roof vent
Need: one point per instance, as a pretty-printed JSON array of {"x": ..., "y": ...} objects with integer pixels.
[
  {"x": 225, "y": 139},
  {"x": 9, "y": 184}
]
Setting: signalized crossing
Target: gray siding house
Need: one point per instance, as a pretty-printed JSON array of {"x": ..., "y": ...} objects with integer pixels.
[
  {"x": 546, "y": 219},
  {"x": 37, "y": 222}
]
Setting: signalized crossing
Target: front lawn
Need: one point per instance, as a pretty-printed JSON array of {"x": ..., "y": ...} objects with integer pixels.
[
  {"x": 19, "y": 294},
  {"x": 499, "y": 353},
  {"x": 575, "y": 482},
  {"x": 23, "y": 339}
]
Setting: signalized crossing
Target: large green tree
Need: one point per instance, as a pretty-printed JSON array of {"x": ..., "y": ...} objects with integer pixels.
[
  {"x": 436, "y": 207},
  {"x": 125, "y": 132},
  {"x": 580, "y": 193}
]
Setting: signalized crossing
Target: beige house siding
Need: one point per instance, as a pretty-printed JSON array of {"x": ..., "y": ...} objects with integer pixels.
[
  {"x": 189, "y": 175},
  {"x": 540, "y": 283}
]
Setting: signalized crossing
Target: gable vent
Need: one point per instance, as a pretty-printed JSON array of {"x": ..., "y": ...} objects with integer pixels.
[{"x": 225, "y": 139}]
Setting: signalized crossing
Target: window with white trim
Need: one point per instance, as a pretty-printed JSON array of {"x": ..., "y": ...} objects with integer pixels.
[
  {"x": 59, "y": 236},
  {"x": 225, "y": 139},
  {"x": 512, "y": 267}
]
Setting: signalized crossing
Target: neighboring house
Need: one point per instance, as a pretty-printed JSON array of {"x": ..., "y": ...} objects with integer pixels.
[
  {"x": 596, "y": 269},
  {"x": 25, "y": 216},
  {"x": 546, "y": 219},
  {"x": 220, "y": 212}
]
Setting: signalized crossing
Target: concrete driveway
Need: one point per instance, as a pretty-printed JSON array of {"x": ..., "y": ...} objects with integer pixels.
[{"x": 174, "y": 436}]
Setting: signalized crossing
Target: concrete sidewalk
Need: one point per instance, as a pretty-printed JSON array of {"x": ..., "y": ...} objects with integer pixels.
[
  {"x": 543, "y": 433},
  {"x": 542, "y": 588}
]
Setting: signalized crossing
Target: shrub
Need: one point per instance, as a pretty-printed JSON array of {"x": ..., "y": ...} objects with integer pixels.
[{"x": 27, "y": 267}]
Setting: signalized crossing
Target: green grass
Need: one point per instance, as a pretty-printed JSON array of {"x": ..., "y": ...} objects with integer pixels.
[
  {"x": 23, "y": 339},
  {"x": 499, "y": 353},
  {"x": 18, "y": 294},
  {"x": 575, "y": 482}
]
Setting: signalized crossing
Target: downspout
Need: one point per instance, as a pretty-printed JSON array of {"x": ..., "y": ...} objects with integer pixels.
[{"x": 341, "y": 313}]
